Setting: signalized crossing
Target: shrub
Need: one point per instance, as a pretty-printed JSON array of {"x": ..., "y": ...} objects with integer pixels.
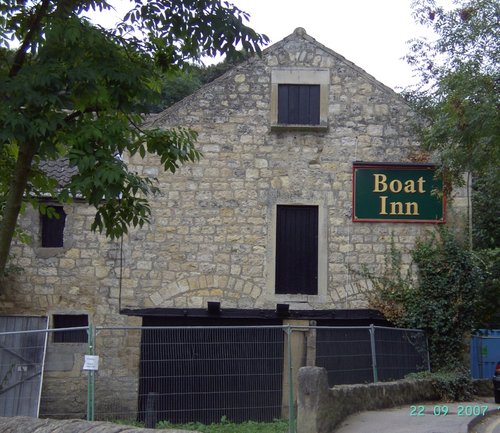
[
  {"x": 449, "y": 385},
  {"x": 453, "y": 385},
  {"x": 444, "y": 299}
]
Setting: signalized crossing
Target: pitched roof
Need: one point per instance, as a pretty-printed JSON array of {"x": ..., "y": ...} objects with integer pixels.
[{"x": 298, "y": 34}]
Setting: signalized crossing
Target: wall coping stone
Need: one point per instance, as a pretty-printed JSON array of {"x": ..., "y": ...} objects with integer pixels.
[
  {"x": 321, "y": 409},
  {"x": 23, "y": 424}
]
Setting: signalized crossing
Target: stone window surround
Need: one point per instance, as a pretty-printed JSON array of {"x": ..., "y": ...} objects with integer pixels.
[
  {"x": 320, "y": 76},
  {"x": 322, "y": 256}
]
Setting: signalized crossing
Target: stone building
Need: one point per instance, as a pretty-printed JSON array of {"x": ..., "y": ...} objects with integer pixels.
[
  {"x": 214, "y": 236},
  {"x": 265, "y": 218}
]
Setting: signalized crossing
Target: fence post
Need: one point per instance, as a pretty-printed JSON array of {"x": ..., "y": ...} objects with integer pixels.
[
  {"x": 427, "y": 351},
  {"x": 91, "y": 378},
  {"x": 374, "y": 353},
  {"x": 150, "y": 417},
  {"x": 291, "y": 403}
]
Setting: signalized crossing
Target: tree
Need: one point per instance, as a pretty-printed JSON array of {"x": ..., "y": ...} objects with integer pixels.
[
  {"x": 458, "y": 95},
  {"x": 73, "y": 89},
  {"x": 459, "y": 84}
]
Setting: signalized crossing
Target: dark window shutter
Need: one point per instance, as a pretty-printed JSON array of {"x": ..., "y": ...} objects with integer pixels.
[
  {"x": 298, "y": 104},
  {"x": 53, "y": 229},
  {"x": 297, "y": 250}
]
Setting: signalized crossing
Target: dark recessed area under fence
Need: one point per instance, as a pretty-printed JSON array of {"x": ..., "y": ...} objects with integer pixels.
[{"x": 204, "y": 374}]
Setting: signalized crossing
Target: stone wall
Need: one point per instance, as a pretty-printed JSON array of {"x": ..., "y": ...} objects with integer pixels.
[
  {"x": 213, "y": 230},
  {"x": 82, "y": 277},
  {"x": 321, "y": 409},
  {"x": 25, "y": 424}
]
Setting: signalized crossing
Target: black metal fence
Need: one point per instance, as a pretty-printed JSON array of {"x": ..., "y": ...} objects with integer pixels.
[
  {"x": 204, "y": 374},
  {"x": 370, "y": 354},
  {"x": 181, "y": 374}
]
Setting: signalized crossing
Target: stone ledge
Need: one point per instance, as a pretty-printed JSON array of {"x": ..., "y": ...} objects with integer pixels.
[
  {"x": 23, "y": 424},
  {"x": 321, "y": 409}
]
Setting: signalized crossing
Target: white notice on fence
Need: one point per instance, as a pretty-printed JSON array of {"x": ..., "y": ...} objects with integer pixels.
[{"x": 91, "y": 362}]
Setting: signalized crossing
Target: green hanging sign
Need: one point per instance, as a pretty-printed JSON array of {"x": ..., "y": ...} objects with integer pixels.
[{"x": 397, "y": 193}]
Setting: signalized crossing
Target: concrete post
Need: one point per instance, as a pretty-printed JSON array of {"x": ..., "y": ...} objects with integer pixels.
[
  {"x": 298, "y": 351},
  {"x": 151, "y": 405},
  {"x": 312, "y": 389},
  {"x": 311, "y": 345}
]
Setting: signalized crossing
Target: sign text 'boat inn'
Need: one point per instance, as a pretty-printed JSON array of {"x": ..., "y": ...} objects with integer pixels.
[{"x": 397, "y": 193}]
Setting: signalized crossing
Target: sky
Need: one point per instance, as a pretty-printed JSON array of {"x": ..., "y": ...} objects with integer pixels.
[{"x": 373, "y": 34}]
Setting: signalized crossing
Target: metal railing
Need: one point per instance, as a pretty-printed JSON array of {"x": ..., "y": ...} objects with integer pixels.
[{"x": 182, "y": 374}]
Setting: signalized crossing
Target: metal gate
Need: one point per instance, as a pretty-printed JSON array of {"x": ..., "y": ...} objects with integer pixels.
[{"x": 21, "y": 364}]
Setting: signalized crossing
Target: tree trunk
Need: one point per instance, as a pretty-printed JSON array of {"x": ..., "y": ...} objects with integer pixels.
[
  {"x": 14, "y": 200},
  {"x": 26, "y": 151}
]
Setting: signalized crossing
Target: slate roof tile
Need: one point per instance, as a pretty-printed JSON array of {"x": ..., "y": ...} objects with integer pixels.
[{"x": 59, "y": 169}]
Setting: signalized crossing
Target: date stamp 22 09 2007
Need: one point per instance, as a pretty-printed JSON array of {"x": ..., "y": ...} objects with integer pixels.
[{"x": 445, "y": 410}]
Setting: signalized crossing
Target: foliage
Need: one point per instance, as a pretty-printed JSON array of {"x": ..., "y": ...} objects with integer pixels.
[
  {"x": 211, "y": 72},
  {"x": 392, "y": 289},
  {"x": 489, "y": 305},
  {"x": 486, "y": 211},
  {"x": 226, "y": 426},
  {"x": 449, "y": 292},
  {"x": 458, "y": 96},
  {"x": 445, "y": 299},
  {"x": 459, "y": 84},
  {"x": 72, "y": 89},
  {"x": 453, "y": 385},
  {"x": 177, "y": 85},
  {"x": 449, "y": 385},
  {"x": 486, "y": 241}
]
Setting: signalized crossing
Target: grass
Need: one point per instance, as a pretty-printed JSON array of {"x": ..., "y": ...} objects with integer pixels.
[
  {"x": 129, "y": 422},
  {"x": 226, "y": 426}
]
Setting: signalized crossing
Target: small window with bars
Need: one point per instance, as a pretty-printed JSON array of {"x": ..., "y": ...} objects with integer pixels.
[{"x": 62, "y": 321}]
